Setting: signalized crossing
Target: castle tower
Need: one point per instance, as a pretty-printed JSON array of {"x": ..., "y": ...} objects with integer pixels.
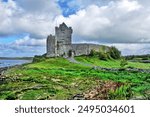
[
  {"x": 63, "y": 36},
  {"x": 60, "y": 44},
  {"x": 51, "y": 46}
]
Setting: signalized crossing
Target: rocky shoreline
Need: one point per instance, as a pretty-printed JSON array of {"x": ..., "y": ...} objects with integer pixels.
[
  {"x": 3, "y": 69},
  {"x": 2, "y": 76}
]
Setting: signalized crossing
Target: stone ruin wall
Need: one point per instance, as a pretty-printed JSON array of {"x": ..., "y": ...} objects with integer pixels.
[
  {"x": 80, "y": 49},
  {"x": 63, "y": 36},
  {"x": 85, "y": 49},
  {"x": 51, "y": 46},
  {"x": 61, "y": 44}
]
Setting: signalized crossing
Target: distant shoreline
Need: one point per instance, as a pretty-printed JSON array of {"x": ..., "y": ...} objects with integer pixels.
[
  {"x": 8, "y": 63},
  {"x": 16, "y": 58}
]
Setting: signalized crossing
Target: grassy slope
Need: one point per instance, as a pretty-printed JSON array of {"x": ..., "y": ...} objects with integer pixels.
[
  {"x": 59, "y": 79},
  {"x": 111, "y": 63}
]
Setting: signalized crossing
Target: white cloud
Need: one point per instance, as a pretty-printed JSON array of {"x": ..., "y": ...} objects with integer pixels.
[
  {"x": 39, "y": 6},
  {"x": 118, "y": 21},
  {"x": 7, "y": 11},
  {"x": 128, "y": 5},
  {"x": 21, "y": 16},
  {"x": 27, "y": 41},
  {"x": 121, "y": 21},
  {"x": 81, "y": 4},
  {"x": 132, "y": 49}
]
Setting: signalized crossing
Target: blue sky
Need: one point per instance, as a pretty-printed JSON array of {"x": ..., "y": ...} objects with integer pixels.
[
  {"x": 25, "y": 24},
  {"x": 66, "y": 10}
]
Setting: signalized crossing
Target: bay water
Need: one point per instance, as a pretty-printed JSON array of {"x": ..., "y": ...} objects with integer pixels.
[{"x": 12, "y": 62}]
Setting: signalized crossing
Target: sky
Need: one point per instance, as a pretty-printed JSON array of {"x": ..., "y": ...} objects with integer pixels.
[{"x": 25, "y": 24}]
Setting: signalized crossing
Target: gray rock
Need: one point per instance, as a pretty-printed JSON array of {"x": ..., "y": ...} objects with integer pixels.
[
  {"x": 138, "y": 98},
  {"x": 78, "y": 97}
]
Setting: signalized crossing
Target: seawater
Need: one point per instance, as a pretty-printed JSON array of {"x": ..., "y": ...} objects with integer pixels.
[{"x": 7, "y": 63}]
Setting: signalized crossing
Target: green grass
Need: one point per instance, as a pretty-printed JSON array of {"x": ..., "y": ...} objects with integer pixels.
[
  {"x": 56, "y": 63},
  {"x": 57, "y": 78},
  {"x": 110, "y": 63}
]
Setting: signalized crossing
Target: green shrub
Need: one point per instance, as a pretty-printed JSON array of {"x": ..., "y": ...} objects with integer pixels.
[
  {"x": 145, "y": 58},
  {"x": 93, "y": 53},
  {"x": 11, "y": 96},
  {"x": 38, "y": 58},
  {"x": 102, "y": 56},
  {"x": 124, "y": 92},
  {"x": 114, "y": 53},
  {"x": 123, "y": 62},
  {"x": 106, "y": 53}
]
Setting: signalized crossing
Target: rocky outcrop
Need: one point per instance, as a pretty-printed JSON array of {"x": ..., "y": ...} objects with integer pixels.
[
  {"x": 5, "y": 78},
  {"x": 2, "y": 70},
  {"x": 2, "y": 77}
]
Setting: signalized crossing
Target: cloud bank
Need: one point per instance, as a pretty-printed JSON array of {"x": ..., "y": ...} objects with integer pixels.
[
  {"x": 122, "y": 21},
  {"x": 98, "y": 21}
]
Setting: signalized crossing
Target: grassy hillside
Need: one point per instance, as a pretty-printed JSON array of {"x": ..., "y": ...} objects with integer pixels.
[
  {"x": 57, "y": 78},
  {"x": 111, "y": 63}
]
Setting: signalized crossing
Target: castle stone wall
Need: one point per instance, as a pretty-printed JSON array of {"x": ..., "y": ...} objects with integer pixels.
[
  {"x": 85, "y": 49},
  {"x": 51, "y": 46},
  {"x": 63, "y": 37},
  {"x": 80, "y": 49},
  {"x": 94, "y": 47}
]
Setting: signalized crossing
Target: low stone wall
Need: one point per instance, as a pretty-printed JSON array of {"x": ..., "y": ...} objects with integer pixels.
[{"x": 119, "y": 69}]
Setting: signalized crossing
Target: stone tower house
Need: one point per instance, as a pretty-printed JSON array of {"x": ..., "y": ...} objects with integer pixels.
[{"x": 60, "y": 44}]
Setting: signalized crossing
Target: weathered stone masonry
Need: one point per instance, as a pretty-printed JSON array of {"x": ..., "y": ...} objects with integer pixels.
[{"x": 61, "y": 44}]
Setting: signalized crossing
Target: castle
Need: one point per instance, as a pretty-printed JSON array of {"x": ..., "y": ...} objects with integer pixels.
[{"x": 61, "y": 44}]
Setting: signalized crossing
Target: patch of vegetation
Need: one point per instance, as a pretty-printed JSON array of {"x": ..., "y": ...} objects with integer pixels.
[
  {"x": 123, "y": 62},
  {"x": 39, "y": 58},
  {"x": 110, "y": 63},
  {"x": 138, "y": 57},
  {"x": 114, "y": 53},
  {"x": 106, "y": 54},
  {"x": 57, "y": 78},
  {"x": 122, "y": 93}
]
